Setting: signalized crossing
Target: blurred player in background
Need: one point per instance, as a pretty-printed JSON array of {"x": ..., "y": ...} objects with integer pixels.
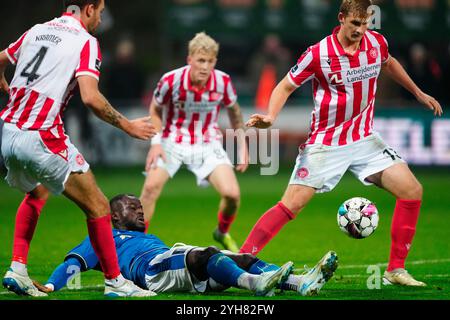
[
  {"x": 344, "y": 68},
  {"x": 190, "y": 99},
  {"x": 147, "y": 261},
  {"x": 51, "y": 60}
]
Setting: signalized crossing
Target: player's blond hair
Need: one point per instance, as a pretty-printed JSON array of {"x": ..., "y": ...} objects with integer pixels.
[
  {"x": 359, "y": 8},
  {"x": 203, "y": 43}
]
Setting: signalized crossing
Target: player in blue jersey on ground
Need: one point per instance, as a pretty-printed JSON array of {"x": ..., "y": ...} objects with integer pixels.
[{"x": 150, "y": 264}]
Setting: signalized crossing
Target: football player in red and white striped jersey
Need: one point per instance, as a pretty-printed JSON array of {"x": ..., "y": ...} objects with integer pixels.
[
  {"x": 344, "y": 68},
  {"x": 189, "y": 99},
  {"x": 52, "y": 59}
]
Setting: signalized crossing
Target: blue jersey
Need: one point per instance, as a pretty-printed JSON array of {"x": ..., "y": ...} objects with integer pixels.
[{"x": 134, "y": 250}]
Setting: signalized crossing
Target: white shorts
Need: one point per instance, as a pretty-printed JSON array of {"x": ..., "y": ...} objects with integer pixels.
[
  {"x": 201, "y": 159},
  {"x": 30, "y": 161},
  {"x": 322, "y": 167},
  {"x": 168, "y": 272}
]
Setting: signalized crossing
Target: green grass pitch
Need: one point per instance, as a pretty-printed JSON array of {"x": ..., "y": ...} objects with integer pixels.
[{"x": 187, "y": 214}]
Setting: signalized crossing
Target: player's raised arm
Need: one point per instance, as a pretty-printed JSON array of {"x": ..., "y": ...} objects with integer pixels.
[
  {"x": 396, "y": 71},
  {"x": 139, "y": 128},
  {"x": 61, "y": 275},
  {"x": 277, "y": 101},
  {"x": 4, "y": 62}
]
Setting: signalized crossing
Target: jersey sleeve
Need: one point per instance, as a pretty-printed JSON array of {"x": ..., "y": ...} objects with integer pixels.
[
  {"x": 90, "y": 60},
  {"x": 163, "y": 91},
  {"x": 229, "y": 96},
  {"x": 384, "y": 48},
  {"x": 64, "y": 272},
  {"x": 304, "y": 70},
  {"x": 85, "y": 254},
  {"x": 13, "y": 51}
]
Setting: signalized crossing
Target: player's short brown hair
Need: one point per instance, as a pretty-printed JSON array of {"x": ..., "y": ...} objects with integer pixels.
[
  {"x": 359, "y": 8},
  {"x": 203, "y": 42},
  {"x": 80, "y": 3}
]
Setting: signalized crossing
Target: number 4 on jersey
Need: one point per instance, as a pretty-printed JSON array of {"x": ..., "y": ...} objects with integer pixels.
[{"x": 35, "y": 63}]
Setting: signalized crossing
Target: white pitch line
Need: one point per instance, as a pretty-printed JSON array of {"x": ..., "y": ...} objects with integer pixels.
[
  {"x": 64, "y": 290},
  {"x": 362, "y": 266}
]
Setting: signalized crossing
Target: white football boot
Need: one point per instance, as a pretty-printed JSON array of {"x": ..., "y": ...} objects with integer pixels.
[
  {"x": 269, "y": 281},
  {"x": 128, "y": 290},
  {"x": 316, "y": 277},
  {"x": 21, "y": 285},
  {"x": 401, "y": 277}
]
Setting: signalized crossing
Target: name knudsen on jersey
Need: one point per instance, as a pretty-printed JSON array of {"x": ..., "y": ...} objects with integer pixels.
[{"x": 49, "y": 38}]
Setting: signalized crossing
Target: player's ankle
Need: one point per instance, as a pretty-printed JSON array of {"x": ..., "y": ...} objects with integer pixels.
[
  {"x": 248, "y": 281},
  {"x": 19, "y": 268},
  {"x": 116, "y": 282}
]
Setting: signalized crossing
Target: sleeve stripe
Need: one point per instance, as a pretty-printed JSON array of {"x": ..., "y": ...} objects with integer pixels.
[
  {"x": 88, "y": 73},
  {"x": 15, "y": 46},
  {"x": 10, "y": 57},
  {"x": 89, "y": 56},
  {"x": 291, "y": 80}
]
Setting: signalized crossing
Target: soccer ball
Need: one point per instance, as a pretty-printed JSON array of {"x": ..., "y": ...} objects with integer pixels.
[{"x": 358, "y": 217}]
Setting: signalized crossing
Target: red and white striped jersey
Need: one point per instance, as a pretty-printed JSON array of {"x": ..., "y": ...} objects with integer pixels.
[
  {"x": 49, "y": 57},
  {"x": 344, "y": 87},
  {"x": 191, "y": 115}
]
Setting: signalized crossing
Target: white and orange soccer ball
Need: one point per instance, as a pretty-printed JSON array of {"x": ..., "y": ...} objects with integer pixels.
[{"x": 358, "y": 217}]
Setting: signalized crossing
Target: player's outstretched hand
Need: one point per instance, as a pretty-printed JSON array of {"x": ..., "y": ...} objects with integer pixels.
[
  {"x": 260, "y": 121},
  {"x": 4, "y": 87},
  {"x": 41, "y": 287},
  {"x": 156, "y": 152},
  {"x": 431, "y": 103},
  {"x": 142, "y": 128}
]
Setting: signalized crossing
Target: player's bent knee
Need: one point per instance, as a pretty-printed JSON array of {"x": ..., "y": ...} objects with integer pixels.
[
  {"x": 197, "y": 261},
  {"x": 232, "y": 197},
  {"x": 151, "y": 191},
  {"x": 98, "y": 207},
  {"x": 247, "y": 260},
  {"x": 415, "y": 193}
]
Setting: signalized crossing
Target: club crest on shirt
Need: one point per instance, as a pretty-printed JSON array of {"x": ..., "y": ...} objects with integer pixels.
[
  {"x": 80, "y": 160},
  {"x": 215, "y": 96},
  {"x": 373, "y": 53},
  {"x": 302, "y": 173}
]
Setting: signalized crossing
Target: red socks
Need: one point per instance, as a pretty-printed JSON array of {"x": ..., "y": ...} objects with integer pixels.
[
  {"x": 225, "y": 222},
  {"x": 403, "y": 229},
  {"x": 147, "y": 225},
  {"x": 100, "y": 234},
  {"x": 26, "y": 221},
  {"x": 266, "y": 228}
]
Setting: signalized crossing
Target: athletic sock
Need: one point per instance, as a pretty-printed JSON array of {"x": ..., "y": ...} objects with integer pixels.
[
  {"x": 248, "y": 281},
  {"x": 116, "y": 282},
  {"x": 292, "y": 283},
  {"x": 267, "y": 228},
  {"x": 224, "y": 270},
  {"x": 225, "y": 222},
  {"x": 100, "y": 234},
  {"x": 260, "y": 267},
  {"x": 403, "y": 229},
  {"x": 147, "y": 225},
  {"x": 26, "y": 220}
]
